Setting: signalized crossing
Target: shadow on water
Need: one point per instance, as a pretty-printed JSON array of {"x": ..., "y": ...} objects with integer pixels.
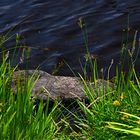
[{"x": 50, "y": 29}]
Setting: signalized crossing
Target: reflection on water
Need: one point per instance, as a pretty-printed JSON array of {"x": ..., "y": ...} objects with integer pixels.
[{"x": 50, "y": 29}]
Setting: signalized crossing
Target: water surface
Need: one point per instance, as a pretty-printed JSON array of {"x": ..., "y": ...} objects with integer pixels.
[{"x": 50, "y": 28}]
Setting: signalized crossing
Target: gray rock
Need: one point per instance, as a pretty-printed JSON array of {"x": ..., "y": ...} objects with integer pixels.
[{"x": 57, "y": 87}]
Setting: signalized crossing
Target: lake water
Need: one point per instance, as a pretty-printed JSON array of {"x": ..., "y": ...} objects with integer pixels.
[{"x": 50, "y": 28}]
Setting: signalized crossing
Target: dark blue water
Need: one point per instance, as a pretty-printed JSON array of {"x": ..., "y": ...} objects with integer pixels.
[{"x": 50, "y": 28}]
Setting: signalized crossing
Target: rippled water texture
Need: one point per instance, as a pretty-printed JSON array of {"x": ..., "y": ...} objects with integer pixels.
[{"x": 50, "y": 29}]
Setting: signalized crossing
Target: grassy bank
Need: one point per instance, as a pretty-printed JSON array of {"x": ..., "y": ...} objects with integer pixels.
[{"x": 113, "y": 114}]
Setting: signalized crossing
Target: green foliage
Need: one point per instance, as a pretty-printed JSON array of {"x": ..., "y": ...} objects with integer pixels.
[
  {"x": 18, "y": 117},
  {"x": 99, "y": 118},
  {"x": 129, "y": 129},
  {"x": 106, "y": 102}
]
